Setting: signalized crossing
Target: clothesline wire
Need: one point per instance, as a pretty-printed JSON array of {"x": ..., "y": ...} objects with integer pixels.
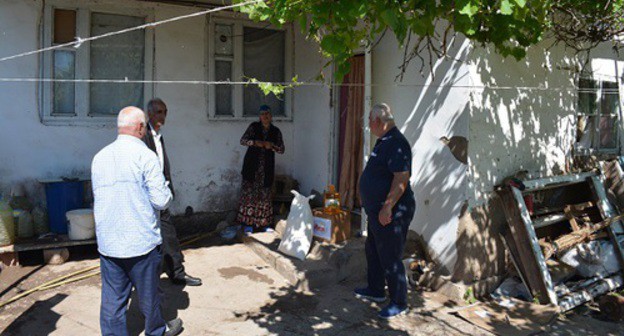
[
  {"x": 295, "y": 84},
  {"x": 79, "y": 40}
]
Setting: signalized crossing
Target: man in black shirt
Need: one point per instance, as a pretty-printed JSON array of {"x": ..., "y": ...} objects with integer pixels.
[{"x": 389, "y": 204}]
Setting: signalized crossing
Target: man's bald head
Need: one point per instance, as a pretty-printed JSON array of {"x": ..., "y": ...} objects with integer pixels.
[{"x": 131, "y": 121}]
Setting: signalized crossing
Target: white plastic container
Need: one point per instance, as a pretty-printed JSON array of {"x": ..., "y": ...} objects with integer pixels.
[{"x": 81, "y": 224}]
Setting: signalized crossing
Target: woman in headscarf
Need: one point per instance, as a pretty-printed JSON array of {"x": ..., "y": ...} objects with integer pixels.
[{"x": 263, "y": 140}]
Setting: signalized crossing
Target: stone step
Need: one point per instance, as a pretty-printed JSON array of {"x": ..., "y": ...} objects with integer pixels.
[{"x": 326, "y": 264}]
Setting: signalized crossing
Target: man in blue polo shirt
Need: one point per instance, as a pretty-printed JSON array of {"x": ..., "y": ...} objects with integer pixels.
[{"x": 389, "y": 204}]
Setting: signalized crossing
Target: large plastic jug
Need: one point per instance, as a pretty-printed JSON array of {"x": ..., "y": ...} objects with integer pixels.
[
  {"x": 24, "y": 220},
  {"x": 40, "y": 220},
  {"x": 7, "y": 227}
]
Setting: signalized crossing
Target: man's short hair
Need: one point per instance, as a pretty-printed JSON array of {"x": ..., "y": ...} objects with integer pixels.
[
  {"x": 129, "y": 116},
  {"x": 382, "y": 111},
  {"x": 151, "y": 103}
]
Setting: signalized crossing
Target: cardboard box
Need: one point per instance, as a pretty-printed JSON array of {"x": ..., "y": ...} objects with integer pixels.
[{"x": 333, "y": 228}]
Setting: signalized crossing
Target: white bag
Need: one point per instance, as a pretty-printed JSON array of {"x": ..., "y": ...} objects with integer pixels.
[{"x": 297, "y": 237}]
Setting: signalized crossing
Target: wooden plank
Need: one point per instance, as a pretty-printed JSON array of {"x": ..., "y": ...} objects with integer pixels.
[
  {"x": 607, "y": 211},
  {"x": 521, "y": 238},
  {"x": 543, "y": 273},
  {"x": 34, "y": 245},
  {"x": 555, "y": 181}
]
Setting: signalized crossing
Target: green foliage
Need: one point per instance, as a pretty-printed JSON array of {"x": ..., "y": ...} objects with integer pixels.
[
  {"x": 273, "y": 88},
  {"x": 469, "y": 296},
  {"x": 511, "y": 26}
]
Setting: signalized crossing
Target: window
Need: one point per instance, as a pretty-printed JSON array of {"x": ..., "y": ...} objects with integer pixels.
[
  {"x": 239, "y": 51},
  {"x": 598, "y": 116},
  {"x": 122, "y": 57}
]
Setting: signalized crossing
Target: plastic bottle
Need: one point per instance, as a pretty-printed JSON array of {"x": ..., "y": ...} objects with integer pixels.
[
  {"x": 24, "y": 221},
  {"x": 40, "y": 219},
  {"x": 7, "y": 226},
  {"x": 332, "y": 200}
]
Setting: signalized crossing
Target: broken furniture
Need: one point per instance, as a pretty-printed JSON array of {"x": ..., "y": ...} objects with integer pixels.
[{"x": 567, "y": 208}]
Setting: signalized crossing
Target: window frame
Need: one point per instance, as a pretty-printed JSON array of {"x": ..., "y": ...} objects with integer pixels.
[
  {"x": 82, "y": 116},
  {"x": 595, "y": 147},
  {"x": 237, "y": 67}
]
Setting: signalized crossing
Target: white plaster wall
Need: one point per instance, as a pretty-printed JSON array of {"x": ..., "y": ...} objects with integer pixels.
[
  {"x": 523, "y": 114},
  {"x": 205, "y": 154},
  {"x": 313, "y": 119},
  {"x": 425, "y": 110},
  {"x": 29, "y": 149}
]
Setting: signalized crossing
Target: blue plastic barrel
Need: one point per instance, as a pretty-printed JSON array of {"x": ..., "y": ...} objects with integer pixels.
[{"x": 61, "y": 197}]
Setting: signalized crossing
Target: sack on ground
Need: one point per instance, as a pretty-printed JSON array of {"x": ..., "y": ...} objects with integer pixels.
[{"x": 297, "y": 237}]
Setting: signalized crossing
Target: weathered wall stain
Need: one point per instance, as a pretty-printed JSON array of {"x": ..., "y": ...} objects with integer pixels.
[
  {"x": 480, "y": 249},
  {"x": 232, "y": 272}
]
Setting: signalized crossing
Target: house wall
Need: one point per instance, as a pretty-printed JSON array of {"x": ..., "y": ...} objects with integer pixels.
[
  {"x": 516, "y": 115},
  {"x": 205, "y": 154},
  {"x": 427, "y": 107}
]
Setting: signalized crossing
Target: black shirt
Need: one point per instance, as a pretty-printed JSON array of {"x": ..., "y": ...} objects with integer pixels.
[{"x": 392, "y": 154}]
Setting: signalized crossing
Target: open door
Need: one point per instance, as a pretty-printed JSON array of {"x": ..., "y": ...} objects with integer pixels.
[{"x": 351, "y": 133}]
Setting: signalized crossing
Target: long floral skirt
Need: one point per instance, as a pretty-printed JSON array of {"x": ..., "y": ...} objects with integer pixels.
[{"x": 255, "y": 208}]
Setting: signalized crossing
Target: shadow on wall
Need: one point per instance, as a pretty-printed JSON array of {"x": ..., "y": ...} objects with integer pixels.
[
  {"x": 436, "y": 127},
  {"x": 522, "y": 119}
]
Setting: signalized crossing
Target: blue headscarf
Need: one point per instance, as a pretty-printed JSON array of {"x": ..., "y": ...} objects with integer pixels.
[{"x": 264, "y": 108}]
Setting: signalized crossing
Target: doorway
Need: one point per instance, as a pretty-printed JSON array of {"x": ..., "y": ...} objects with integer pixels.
[{"x": 351, "y": 133}]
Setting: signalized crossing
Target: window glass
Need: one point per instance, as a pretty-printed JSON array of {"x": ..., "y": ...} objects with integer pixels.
[
  {"x": 223, "y": 93},
  {"x": 64, "y": 92},
  {"x": 64, "y": 26},
  {"x": 117, "y": 57},
  {"x": 263, "y": 59}
]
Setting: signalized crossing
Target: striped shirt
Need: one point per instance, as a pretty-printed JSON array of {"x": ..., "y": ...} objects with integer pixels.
[{"x": 128, "y": 191}]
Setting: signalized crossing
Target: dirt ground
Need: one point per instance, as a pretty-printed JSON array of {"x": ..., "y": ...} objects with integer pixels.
[{"x": 241, "y": 295}]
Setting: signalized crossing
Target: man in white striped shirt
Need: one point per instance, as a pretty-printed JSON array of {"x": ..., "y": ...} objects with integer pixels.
[{"x": 128, "y": 189}]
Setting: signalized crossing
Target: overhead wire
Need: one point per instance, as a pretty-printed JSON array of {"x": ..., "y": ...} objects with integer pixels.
[{"x": 79, "y": 41}]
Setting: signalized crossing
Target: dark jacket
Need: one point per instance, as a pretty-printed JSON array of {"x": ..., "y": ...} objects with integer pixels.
[
  {"x": 149, "y": 141},
  {"x": 250, "y": 162}
]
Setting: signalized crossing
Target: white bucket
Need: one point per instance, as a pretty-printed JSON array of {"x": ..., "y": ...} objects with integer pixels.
[{"x": 81, "y": 224}]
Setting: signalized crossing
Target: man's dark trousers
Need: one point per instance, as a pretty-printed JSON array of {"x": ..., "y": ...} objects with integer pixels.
[
  {"x": 118, "y": 277},
  {"x": 172, "y": 253},
  {"x": 384, "y": 252}
]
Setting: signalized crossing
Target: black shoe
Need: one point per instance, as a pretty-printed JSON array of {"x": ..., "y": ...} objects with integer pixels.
[
  {"x": 187, "y": 280},
  {"x": 174, "y": 327}
]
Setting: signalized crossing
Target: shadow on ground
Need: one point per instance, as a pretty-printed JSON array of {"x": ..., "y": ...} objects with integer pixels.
[{"x": 39, "y": 319}]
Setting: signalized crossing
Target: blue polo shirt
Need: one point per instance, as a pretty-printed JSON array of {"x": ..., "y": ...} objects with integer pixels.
[{"x": 392, "y": 154}]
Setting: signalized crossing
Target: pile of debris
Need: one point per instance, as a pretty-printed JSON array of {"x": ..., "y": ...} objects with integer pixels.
[{"x": 564, "y": 238}]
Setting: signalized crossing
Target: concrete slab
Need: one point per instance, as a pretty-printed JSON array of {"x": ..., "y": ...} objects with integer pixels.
[
  {"x": 326, "y": 263},
  {"x": 241, "y": 295}
]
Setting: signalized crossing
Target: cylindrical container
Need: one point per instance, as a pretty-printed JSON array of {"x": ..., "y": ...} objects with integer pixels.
[
  {"x": 81, "y": 224},
  {"x": 24, "y": 224},
  {"x": 40, "y": 220},
  {"x": 61, "y": 197},
  {"x": 7, "y": 226}
]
